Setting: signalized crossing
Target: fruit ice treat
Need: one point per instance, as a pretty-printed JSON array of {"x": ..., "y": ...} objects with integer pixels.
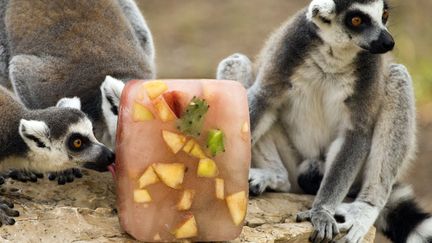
[{"x": 183, "y": 155}]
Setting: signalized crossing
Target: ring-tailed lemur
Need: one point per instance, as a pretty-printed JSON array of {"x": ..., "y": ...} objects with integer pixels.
[
  {"x": 329, "y": 112},
  {"x": 54, "y": 49},
  {"x": 52, "y": 139}
]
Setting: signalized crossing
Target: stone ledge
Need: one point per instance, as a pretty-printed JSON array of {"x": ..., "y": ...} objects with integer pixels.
[{"x": 83, "y": 212}]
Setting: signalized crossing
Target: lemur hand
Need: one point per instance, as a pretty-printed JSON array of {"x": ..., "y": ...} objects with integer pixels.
[
  {"x": 7, "y": 213},
  {"x": 323, "y": 222},
  {"x": 359, "y": 218},
  {"x": 66, "y": 176}
]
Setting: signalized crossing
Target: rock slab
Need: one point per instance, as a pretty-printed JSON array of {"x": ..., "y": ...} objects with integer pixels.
[{"x": 84, "y": 211}]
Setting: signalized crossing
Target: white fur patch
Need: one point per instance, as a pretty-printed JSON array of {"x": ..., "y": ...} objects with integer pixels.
[
  {"x": 325, "y": 8},
  {"x": 74, "y": 103},
  {"x": 422, "y": 232},
  {"x": 374, "y": 10},
  {"x": 35, "y": 128},
  {"x": 112, "y": 88}
]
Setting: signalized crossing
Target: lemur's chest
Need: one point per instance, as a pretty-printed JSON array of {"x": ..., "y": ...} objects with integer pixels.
[{"x": 315, "y": 111}]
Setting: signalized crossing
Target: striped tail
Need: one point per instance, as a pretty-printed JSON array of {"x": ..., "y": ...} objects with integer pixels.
[{"x": 402, "y": 220}]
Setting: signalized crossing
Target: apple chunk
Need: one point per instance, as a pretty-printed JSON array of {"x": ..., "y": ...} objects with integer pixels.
[
  {"x": 219, "y": 188},
  {"x": 142, "y": 196},
  {"x": 163, "y": 110},
  {"x": 170, "y": 174},
  {"x": 148, "y": 178},
  {"x": 237, "y": 205},
  {"x": 194, "y": 149},
  {"x": 141, "y": 113},
  {"x": 207, "y": 168},
  {"x": 186, "y": 200},
  {"x": 174, "y": 141},
  {"x": 187, "y": 229},
  {"x": 155, "y": 88}
]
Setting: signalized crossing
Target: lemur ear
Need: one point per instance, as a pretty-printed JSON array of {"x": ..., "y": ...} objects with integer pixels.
[
  {"x": 111, "y": 90},
  {"x": 322, "y": 11},
  {"x": 74, "y": 103},
  {"x": 34, "y": 133}
]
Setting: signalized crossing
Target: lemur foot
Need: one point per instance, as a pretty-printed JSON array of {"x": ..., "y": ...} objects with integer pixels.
[
  {"x": 66, "y": 176},
  {"x": 262, "y": 179},
  {"x": 24, "y": 176},
  {"x": 359, "y": 218},
  {"x": 323, "y": 222},
  {"x": 7, "y": 213},
  {"x": 236, "y": 67}
]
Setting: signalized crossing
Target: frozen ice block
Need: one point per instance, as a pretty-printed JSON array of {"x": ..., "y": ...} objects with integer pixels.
[{"x": 183, "y": 155}]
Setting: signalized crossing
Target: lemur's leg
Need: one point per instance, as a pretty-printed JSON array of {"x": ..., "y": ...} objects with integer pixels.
[
  {"x": 271, "y": 157},
  {"x": 393, "y": 145},
  {"x": 142, "y": 31},
  {"x": 236, "y": 67}
]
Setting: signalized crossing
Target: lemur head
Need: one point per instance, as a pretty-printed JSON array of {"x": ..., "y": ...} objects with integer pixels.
[
  {"x": 111, "y": 90},
  {"x": 62, "y": 137},
  {"x": 353, "y": 23}
]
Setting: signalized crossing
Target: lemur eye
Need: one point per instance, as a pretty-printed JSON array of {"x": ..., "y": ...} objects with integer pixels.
[
  {"x": 385, "y": 16},
  {"x": 356, "y": 21},
  {"x": 77, "y": 143}
]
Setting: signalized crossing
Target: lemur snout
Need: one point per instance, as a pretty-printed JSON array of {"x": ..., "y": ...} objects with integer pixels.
[
  {"x": 383, "y": 44},
  {"x": 105, "y": 158}
]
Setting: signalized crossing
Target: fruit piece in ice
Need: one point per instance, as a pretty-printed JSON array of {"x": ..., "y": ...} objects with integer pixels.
[
  {"x": 170, "y": 174},
  {"x": 207, "y": 168},
  {"x": 215, "y": 142},
  {"x": 141, "y": 113},
  {"x": 163, "y": 110},
  {"x": 194, "y": 149},
  {"x": 174, "y": 141},
  {"x": 177, "y": 101},
  {"x": 219, "y": 188},
  {"x": 155, "y": 88},
  {"x": 237, "y": 205},
  {"x": 148, "y": 178},
  {"x": 187, "y": 229},
  {"x": 186, "y": 200},
  {"x": 192, "y": 119},
  {"x": 245, "y": 131},
  {"x": 142, "y": 196},
  {"x": 157, "y": 237}
]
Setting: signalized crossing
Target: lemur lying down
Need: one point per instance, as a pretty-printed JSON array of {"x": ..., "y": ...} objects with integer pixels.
[
  {"x": 330, "y": 114},
  {"x": 52, "y": 139}
]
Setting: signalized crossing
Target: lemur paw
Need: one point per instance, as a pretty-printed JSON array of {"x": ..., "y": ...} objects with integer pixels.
[
  {"x": 24, "y": 176},
  {"x": 258, "y": 181},
  {"x": 359, "y": 218},
  {"x": 66, "y": 176},
  {"x": 235, "y": 67},
  {"x": 7, "y": 213},
  {"x": 323, "y": 222}
]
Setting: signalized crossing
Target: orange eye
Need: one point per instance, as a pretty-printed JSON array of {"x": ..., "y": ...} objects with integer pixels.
[
  {"x": 356, "y": 21},
  {"x": 77, "y": 143},
  {"x": 385, "y": 16}
]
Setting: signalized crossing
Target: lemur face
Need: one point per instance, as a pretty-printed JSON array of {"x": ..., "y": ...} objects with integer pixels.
[
  {"x": 62, "y": 137},
  {"x": 355, "y": 23}
]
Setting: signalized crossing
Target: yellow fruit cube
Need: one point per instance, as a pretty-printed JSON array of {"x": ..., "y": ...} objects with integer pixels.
[
  {"x": 186, "y": 200},
  {"x": 141, "y": 113},
  {"x": 187, "y": 229},
  {"x": 170, "y": 174},
  {"x": 155, "y": 88},
  {"x": 142, "y": 196},
  {"x": 148, "y": 178},
  {"x": 219, "y": 188},
  {"x": 207, "y": 168},
  {"x": 237, "y": 205},
  {"x": 174, "y": 141}
]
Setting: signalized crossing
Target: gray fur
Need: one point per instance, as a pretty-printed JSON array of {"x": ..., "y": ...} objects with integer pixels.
[
  {"x": 63, "y": 48},
  {"x": 336, "y": 101}
]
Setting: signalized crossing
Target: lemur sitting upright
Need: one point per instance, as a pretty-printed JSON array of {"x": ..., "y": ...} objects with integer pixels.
[
  {"x": 329, "y": 113},
  {"x": 52, "y": 139},
  {"x": 63, "y": 48}
]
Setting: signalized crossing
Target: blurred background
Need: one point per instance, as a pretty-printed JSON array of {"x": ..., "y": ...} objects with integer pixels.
[{"x": 192, "y": 36}]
